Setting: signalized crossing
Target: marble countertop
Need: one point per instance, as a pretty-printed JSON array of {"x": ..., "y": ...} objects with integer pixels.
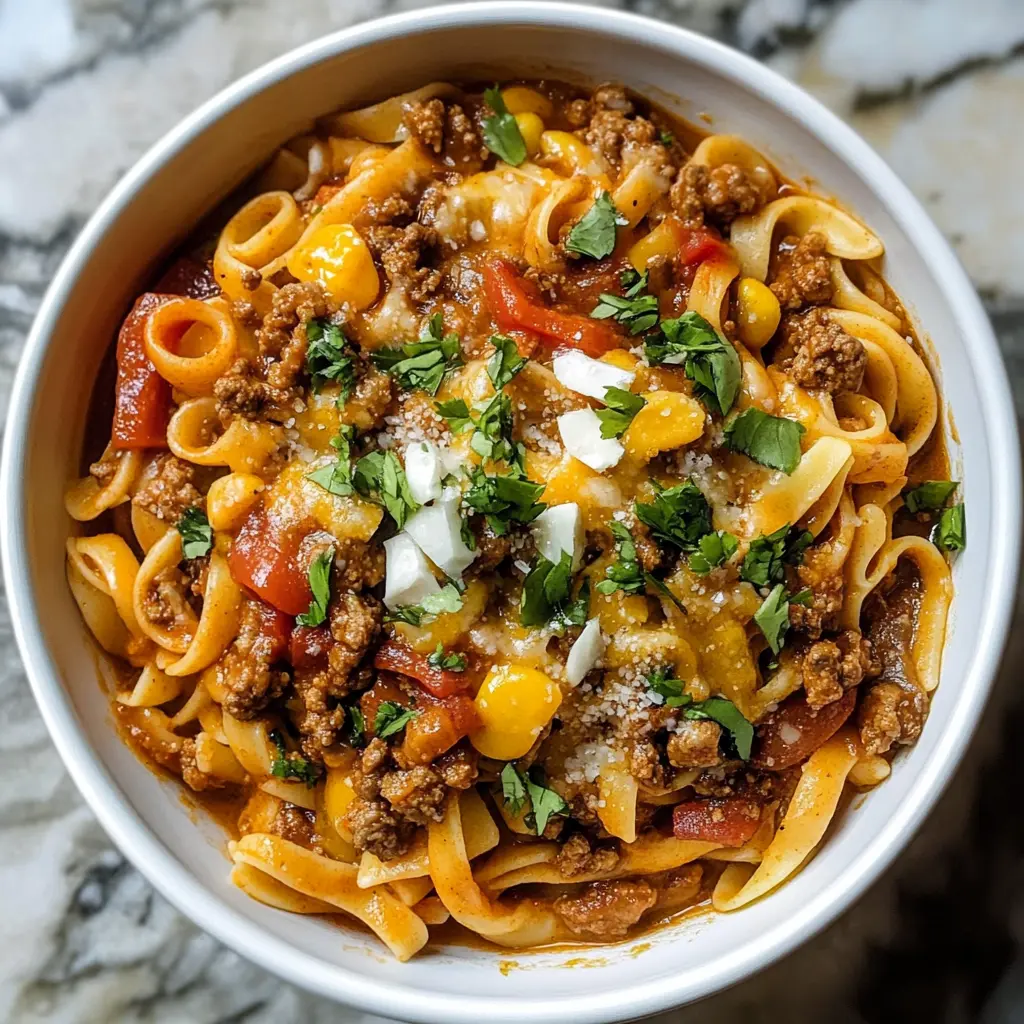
[{"x": 87, "y": 85}]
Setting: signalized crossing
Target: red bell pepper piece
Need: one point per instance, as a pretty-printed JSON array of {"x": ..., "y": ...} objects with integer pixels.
[
  {"x": 401, "y": 658},
  {"x": 516, "y": 305},
  {"x": 264, "y": 558},
  {"x": 142, "y": 398},
  {"x": 438, "y": 727},
  {"x": 728, "y": 821},
  {"x": 700, "y": 244},
  {"x": 795, "y": 730},
  {"x": 274, "y": 628}
]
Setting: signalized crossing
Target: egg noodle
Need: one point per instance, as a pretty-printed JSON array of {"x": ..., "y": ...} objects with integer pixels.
[{"x": 533, "y": 512}]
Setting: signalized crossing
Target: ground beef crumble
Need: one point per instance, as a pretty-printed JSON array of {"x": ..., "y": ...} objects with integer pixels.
[
  {"x": 246, "y": 670},
  {"x": 694, "y": 744},
  {"x": 577, "y": 857},
  {"x": 803, "y": 276},
  {"x": 448, "y": 132},
  {"x": 169, "y": 490},
  {"x": 831, "y": 667},
  {"x": 401, "y": 251},
  {"x": 282, "y": 335},
  {"x": 715, "y": 195},
  {"x": 606, "y": 910},
  {"x": 826, "y": 585},
  {"x": 622, "y": 139},
  {"x": 819, "y": 354},
  {"x": 241, "y": 392},
  {"x": 889, "y": 713}
]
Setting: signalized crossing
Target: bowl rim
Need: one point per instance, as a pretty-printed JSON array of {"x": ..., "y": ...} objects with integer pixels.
[{"x": 647, "y": 996}]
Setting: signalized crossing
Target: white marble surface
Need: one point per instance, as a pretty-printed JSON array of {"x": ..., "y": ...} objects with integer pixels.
[{"x": 87, "y": 85}]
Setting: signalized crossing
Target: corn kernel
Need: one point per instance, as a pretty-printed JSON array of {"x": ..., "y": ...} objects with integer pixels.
[
  {"x": 521, "y": 100},
  {"x": 757, "y": 312},
  {"x": 338, "y": 797},
  {"x": 668, "y": 420},
  {"x": 337, "y": 257},
  {"x": 514, "y": 704},
  {"x": 570, "y": 155},
  {"x": 531, "y": 127},
  {"x": 230, "y": 498},
  {"x": 621, "y": 358},
  {"x": 664, "y": 240}
]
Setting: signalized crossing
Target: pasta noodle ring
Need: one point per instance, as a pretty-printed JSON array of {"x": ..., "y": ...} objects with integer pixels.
[
  {"x": 244, "y": 447},
  {"x": 85, "y": 499},
  {"x": 206, "y": 330},
  {"x": 161, "y": 557}
]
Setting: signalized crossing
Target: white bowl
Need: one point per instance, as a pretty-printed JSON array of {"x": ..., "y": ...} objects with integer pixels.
[{"x": 197, "y": 164}]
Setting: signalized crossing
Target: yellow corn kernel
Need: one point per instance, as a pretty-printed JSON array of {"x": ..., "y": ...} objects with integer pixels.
[
  {"x": 521, "y": 100},
  {"x": 337, "y": 257},
  {"x": 668, "y": 420},
  {"x": 448, "y": 626},
  {"x": 338, "y": 797},
  {"x": 570, "y": 155},
  {"x": 757, "y": 312},
  {"x": 531, "y": 127},
  {"x": 621, "y": 358},
  {"x": 230, "y": 498},
  {"x": 664, "y": 240},
  {"x": 514, "y": 704}
]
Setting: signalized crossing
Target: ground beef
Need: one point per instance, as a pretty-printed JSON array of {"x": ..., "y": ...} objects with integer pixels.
[
  {"x": 621, "y": 139},
  {"x": 606, "y": 910},
  {"x": 245, "y": 670},
  {"x": 282, "y": 335},
  {"x": 647, "y": 550},
  {"x": 803, "y": 276},
  {"x": 826, "y": 585},
  {"x": 890, "y": 713},
  {"x": 193, "y": 777},
  {"x": 645, "y": 763},
  {"x": 577, "y": 857},
  {"x": 377, "y": 829},
  {"x": 358, "y": 564},
  {"x": 374, "y": 756},
  {"x": 417, "y": 793},
  {"x": 294, "y": 824},
  {"x": 448, "y": 132},
  {"x": 491, "y": 550},
  {"x": 169, "y": 490},
  {"x": 105, "y": 470},
  {"x": 694, "y": 744},
  {"x": 818, "y": 353},
  {"x": 714, "y": 195},
  {"x": 458, "y": 767},
  {"x": 400, "y": 251},
  {"x": 355, "y": 623},
  {"x": 240, "y": 392},
  {"x": 369, "y": 403},
  {"x": 830, "y": 667},
  {"x": 165, "y": 603}
]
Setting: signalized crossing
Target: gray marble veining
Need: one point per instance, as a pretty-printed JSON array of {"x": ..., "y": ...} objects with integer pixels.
[{"x": 87, "y": 85}]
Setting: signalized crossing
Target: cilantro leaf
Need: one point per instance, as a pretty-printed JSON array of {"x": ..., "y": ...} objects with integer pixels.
[
  {"x": 506, "y": 361},
  {"x": 196, "y": 532},
  {"x": 663, "y": 682},
  {"x": 447, "y": 599},
  {"x": 357, "y": 730},
  {"x": 380, "y": 477},
  {"x": 635, "y": 310},
  {"x": 666, "y": 138},
  {"x": 493, "y": 436},
  {"x": 320, "y": 585},
  {"x": 950, "y": 532},
  {"x": 707, "y": 358},
  {"x": 456, "y": 413},
  {"x": 391, "y": 718},
  {"x": 804, "y": 597},
  {"x": 336, "y": 477},
  {"x": 772, "y": 617},
  {"x": 453, "y": 662},
  {"x": 679, "y": 515},
  {"x": 513, "y": 790},
  {"x": 930, "y": 496},
  {"x": 713, "y": 550},
  {"x": 766, "y": 557},
  {"x": 662, "y": 587},
  {"x": 576, "y": 611},
  {"x": 545, "y": 803},
  {"x": 504, "y": 499},
  {"x": 594, "y": 233},
  {"x": 546, "y": 590},
  {"x": 621, "y": 407},
  {"x": 625, "y": 573},
  {"x": 292, "y": 766},
  {"x": 329, "y": 357},
  {"x": 773, "y": 441},
  {"x": 422, "y": 364},
  {"x": 729, "y": 717},
  {"x": 501, "y": 131}
]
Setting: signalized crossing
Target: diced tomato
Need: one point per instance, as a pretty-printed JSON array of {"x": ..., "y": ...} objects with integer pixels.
[
  {"x": 516, "y": 305},
  {"x": 793, "y": 732},
  {"x": 275, "y": 627},
  {"x": 264, "y": 558},
  {"x": 401, "y": 658},
  {"x": 700, "y": 244},
  {"x": 438, "y": 727},
  {"x": 142, "y": 398},
  {"x": 729, "y": 821},
  {"x": 310, "y": 646},
  {"x": 386, "y": 688}
]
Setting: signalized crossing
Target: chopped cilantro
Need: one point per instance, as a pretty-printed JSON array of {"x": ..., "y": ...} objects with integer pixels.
[
  {"x": 453, "y": 662},
  {"x": 666, "y": 138},
  {"x": 729, "y": 717},
  {"x": 447, "y": 599},
  {"x": 621, "y": 407},
  {"x": 329, "y": 357},
  {"x": 766, "y": 557},
  {"x": 501, "y": 131},
  {"x": 422, "y": 364},
  {"x": 336, "y": 477},
  {"x": 950, "y": 532},
  {"x": 546, "y": 590},
  {"x": 663, "y": 682},
  {"x": 594, "y": 233},
  {"x": 456, "y": 413},
  {"x": 662, "y": 588},
  {"x": 357, "y": 730},
  {"x": 506, "y": 361},
  {"x": 504, "y": 500},
  {"x": 635, "y": 310},
  {"x": 772, "y": 617},
  {"x": 930, "y": 496},
  {"x": 391, "y": 718},
  {"x": 292, "y": 766},
  {"x": 380, "y": 477},
  {"x": 713, "y": 550},
  {"x": 708, "y": 359},
  {"x": 625, "y": 573},
  {"x": 773, "y": 441},
  {"x": 513, "y": 790},
  {"x": 320, "y": 585},
  {"x": 196, "y": 533},
  {"x": 518, "y": 787},
  {"x": 679, "y": 515}
]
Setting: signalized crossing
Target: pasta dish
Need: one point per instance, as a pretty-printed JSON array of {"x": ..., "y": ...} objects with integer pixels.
[{"x": 524, "y": 510}]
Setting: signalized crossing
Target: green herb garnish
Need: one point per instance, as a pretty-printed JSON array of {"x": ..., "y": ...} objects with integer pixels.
[
  {"x": 336, "y": 477},
  {"x": 773, "y": 441},
  {"x": 626, "y": 573},
  {"x": 329, "y": 357},
  {"x": 729, "y": 717},
  {"x": 504, "y": 500},
  {"x": 546, "y": 594},
  {"x": 767, "y": 556},
  {"x": 772, "y": 617},
  {"x": 422, "y": 364},
  {"x": 196, "y": 533},
  {"x": 930, "y": 496},
  {"x": 679, "y": 516},
  {"x": 663, "y": 682},
  {"x": 594, "y": 233},
  {"x": 713, "y": 550},
  {"x": 391, "y": 718},
  {"x": 320, "y": 585},
  {"x": 501, "y": 132},
  {"x": 447, "y": 599},
  {"x": 635, "y": 310},
  {"x": 453, "y": 662},
  {"x": 506, "y": 361},
  {"x": 517, "y": 788},
  {"x": 950, "y": 532},
  {"x": 380, "y": 477},
  {"x": 513, "y": 790},
  {"x": 620, "y": 408},
  {"x": 292, "y": 766}
]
